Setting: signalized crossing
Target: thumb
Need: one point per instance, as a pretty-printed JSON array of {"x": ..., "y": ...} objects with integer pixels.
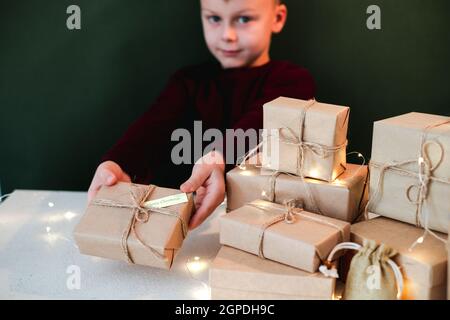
[
  {"x": 108, "y": 177},
  {"x": 199, "y": 174}
]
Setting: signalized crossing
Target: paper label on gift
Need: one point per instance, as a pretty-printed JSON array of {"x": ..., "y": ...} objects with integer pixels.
[{"x": 166, "y": 201}]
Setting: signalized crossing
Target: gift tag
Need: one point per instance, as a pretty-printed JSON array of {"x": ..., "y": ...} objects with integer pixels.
[{"x": 166, "y": 201}]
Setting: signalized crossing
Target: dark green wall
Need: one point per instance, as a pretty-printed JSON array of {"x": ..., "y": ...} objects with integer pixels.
[{"x": 66, "y": 96}]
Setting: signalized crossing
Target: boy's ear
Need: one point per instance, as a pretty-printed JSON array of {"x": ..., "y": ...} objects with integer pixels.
[{"x": 280, "y": 18}]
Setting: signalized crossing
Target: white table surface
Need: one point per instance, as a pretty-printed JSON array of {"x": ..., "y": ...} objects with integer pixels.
[{"x": 37, "y": 255}]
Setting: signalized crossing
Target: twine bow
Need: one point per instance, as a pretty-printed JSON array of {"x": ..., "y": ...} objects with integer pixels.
[
  {"x": 291, "y": 138},
  {"x": 289, "y": 213},
  {"x": 424, "y": 176},
  {"x": 141, "y": 214}
]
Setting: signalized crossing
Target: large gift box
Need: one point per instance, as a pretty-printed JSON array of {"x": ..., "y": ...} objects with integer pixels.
[
  {"x": 235, "y": 274},
  {"x": 292, "y": 142},
  {"x": 343, "y": 199},
  {"x": 410, "y": 170},
  {"x": 424, "y": 266},
  {"x": 288, "y": 235},
  {"x": 140, "y": 224}
]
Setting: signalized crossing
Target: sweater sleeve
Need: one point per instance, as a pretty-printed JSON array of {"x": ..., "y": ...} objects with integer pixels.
[
  {"x": 286, "y": 80},
  {"x": 145, "y": 143}
]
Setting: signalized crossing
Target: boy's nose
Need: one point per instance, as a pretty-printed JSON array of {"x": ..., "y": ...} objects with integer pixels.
[{"x": 229, "y": 34}]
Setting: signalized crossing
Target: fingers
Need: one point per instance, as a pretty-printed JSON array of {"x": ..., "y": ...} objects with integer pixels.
[
  {"x": 199, "y": 175},
  {"x": 108, "y": 173},
  {"x": 214, "y": 195}
]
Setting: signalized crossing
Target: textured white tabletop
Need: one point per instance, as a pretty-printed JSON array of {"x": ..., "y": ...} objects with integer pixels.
[{"x": 39, "y": 258}]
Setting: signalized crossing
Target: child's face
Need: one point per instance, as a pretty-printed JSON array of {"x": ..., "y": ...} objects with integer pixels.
[{"x": 238, "y": 32}]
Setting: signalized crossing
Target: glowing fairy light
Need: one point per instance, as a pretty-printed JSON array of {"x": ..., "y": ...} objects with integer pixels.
[
  {"x": 196, "y": 265},
  {"x": 48, "y": 229},
  {"x": 51, "y": 204},
  {"x": 418, "y": 241},
  {"x": 314, "y": 173},
  {"x": 69, "y": 215},
  {"x": 263, "y": 193}
]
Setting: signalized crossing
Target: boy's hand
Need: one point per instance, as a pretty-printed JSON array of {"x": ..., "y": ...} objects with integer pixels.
[
  {"x": 108, "y": 173},
  {"x": 208, "y": 180}
]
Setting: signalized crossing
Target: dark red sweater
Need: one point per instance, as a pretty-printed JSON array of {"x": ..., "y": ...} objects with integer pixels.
[{"x": 220, "y": 98}]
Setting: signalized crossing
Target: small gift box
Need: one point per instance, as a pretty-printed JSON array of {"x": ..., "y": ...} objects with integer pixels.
[
  {"x": 140, "y": 224},
  {"x": 306, "y": 138},
  {"x": 236, "y": 274},
  {"x": 285, "y": 234},
  {"x": 343, "y": 199},
  {"x": 424, "y": 266},
  {"x": 410, "y": 171}
]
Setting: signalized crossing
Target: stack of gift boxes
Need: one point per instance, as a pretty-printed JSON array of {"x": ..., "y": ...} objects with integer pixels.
[
  {"x": 288, "y": 212},
  {"x": 290, "y": 206},
  {"x": 409, "y": 190}
]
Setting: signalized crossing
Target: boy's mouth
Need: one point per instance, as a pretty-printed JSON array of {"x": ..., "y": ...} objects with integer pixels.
[{"x": 229, "y": 53}]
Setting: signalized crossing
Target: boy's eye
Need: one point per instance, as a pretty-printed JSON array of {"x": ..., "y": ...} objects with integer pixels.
[
  {"x": 214, "y": 19},
  {"x": 244, "y": 19}
]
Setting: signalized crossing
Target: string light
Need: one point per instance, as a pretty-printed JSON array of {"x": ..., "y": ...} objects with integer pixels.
[
  {"x": 196, "y": 265},
  {"x": 418, "y": 241},
  {"x": 263, "y": 193},
  {"x": 69, "y": 215},
  {"x": 314, "y": 173},
  {"x": 51, "y": 204}
]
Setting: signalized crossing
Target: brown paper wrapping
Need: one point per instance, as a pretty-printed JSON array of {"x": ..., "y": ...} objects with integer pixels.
[
  {"x": 413, "y": 291},
  {"x": 248, "y": 276},
  {"x": 333, "y": 123},
  {"x": 398, "y": 139},
  {"x": 99, "y": 232},
  {"x": 302, "y": 244},
  {"x": 342, "y": 199},
  {"x": 423, "y": 267}
]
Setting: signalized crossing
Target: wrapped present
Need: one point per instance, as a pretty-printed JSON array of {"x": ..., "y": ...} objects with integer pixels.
[
  {"x": 140, "y": 224},
  {"x": 343, "y": 199},
  {"x": 424, "y": 266},
  {"x": 410, "y": 170},
  {"x": 292, "y": 142},
  {"x": 282, "y": 233},
  {"x": 235, "y": 274}
]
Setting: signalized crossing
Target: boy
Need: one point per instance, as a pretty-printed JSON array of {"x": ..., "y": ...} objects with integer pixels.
[{"x": 226, "y": 94}]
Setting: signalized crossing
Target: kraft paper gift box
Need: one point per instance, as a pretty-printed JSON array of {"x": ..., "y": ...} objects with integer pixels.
[
  {"x": 343, "y": 199},
  {"x": 260, "y": 228},
  {"x": 235, "y": 274},
  {"x": 113, "y": 227},
  {"x": 399, "y": 144},
  {"x": 319, "y": 129},
  {"x": 424, "y": 267}
]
